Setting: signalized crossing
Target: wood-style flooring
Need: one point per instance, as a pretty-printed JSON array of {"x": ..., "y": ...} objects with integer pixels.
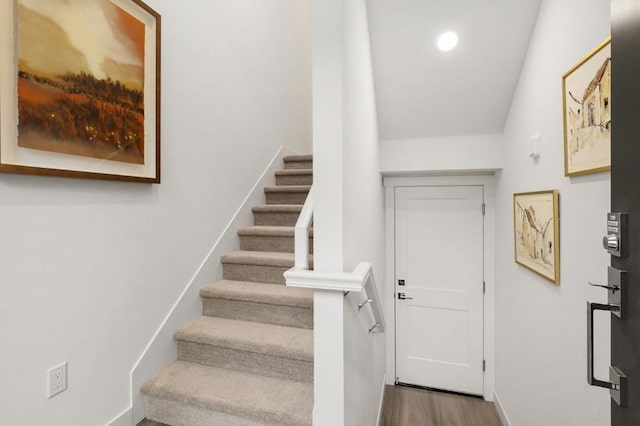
[{"x": 405, "y": 406}]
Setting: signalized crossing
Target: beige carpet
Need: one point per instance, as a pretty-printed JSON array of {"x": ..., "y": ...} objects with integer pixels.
[{"x": 249, "y": 359}]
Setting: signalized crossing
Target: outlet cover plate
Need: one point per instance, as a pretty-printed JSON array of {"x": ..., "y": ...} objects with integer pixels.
[{"x": 56, "y": 379}]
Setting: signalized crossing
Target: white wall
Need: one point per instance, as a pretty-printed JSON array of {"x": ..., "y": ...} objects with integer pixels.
[
  {"x": 541, "y": 328},
  {"x": 363, "y": 219},
  {"x": 348, "y": 215},
  {"x": 445, "y": 154},
  {"x": 89, "y": 268},
  {"x": 327, "y": 54}
]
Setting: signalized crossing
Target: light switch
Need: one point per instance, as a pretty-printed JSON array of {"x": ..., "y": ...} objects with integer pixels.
[{"x": 534, "y": 147}]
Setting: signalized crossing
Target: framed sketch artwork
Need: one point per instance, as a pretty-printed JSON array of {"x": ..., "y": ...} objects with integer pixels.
[
  {"x": 536, "y": 233},
  {"x": 586, "y": 96},
  {"x": 80, "y": 89}
]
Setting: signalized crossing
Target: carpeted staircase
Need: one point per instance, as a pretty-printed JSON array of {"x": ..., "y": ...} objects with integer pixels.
[{"x": 249, "y": 359}]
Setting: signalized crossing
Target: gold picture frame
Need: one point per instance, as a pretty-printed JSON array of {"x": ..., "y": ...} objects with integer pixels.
[
  {"x": 80, "y": 89},
  {"x": 536, "y": 226},
  {"x": 586, "y": 108}
]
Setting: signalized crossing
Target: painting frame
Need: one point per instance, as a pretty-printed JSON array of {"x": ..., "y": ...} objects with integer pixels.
[
  {"x": 17, "y": 159},
  {"x": 534, "y": 253},
  {"x": 598, "y": 159}
]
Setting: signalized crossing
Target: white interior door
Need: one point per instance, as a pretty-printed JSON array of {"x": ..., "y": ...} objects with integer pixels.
[{"x": 439, "y": 256}]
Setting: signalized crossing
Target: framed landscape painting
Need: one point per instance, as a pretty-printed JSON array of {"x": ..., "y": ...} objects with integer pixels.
[
  {"x": 80, "y": 89},
  {"x": 586, "y": 99},
  {"x": 536, "y": 233}
]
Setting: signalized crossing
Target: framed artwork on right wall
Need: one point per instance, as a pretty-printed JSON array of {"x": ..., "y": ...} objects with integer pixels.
[
  {"x": 586, "y": 101},
  {"x": 536, "y": 232}
]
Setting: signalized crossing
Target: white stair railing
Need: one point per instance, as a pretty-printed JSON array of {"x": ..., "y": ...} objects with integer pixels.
[
  {"x": 361, "y": 280},
  {"x": 333, "y": 314},
  {"x": 301, "y": 234},
  {"x": 373, "y": 299}
]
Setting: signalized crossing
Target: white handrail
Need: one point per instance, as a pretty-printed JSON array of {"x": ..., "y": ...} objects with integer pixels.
[
  {"x": 301, "y": 234},
  {"x": 360, "y": 279},
  {"x": 300, "y": 276},
  {"x": 372, "y": 293}
]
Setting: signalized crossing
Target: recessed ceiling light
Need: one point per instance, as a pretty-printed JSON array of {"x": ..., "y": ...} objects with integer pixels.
[{"x": 447, "y": 41}]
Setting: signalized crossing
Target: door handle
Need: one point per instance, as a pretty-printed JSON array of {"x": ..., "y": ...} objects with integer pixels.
[
  {"x": 611, "y": 288},
  {"x": 618, "y": 380},
  {"x": 403, "y": 296}
]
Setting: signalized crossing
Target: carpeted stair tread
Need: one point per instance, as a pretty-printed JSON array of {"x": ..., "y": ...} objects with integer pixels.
[
  {"x": 263, "y": 258},
  {"x": 278, "y": 214},
  {"x": 287, "y": 188},
  {"x": 295, "y": 176},
  {"x": 303, "y": 157},
  {"x": 286, "y": 194},
  {"x": 298, "y": 162},
  {"x": 248, "y": 361},
  {"x": 277, "y": 208},
  {"x": 256, "y": 398},
  {"x": 259, "y": 293},
  {"x": 294, "y": 172},
  {"x": 258, "y": 302},
  {"x": 255, "y": 337},
  {"x": 269, "y": 231}
]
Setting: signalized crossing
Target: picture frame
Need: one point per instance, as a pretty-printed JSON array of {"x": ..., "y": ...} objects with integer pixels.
[
  {"x": 80, "y": 89},
  {"x": 536, "y": 226},
  {"x": 586, "y": 108}
]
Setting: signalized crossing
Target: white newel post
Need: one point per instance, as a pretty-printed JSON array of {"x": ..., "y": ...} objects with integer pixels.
[{"x": 328, "y": 358}]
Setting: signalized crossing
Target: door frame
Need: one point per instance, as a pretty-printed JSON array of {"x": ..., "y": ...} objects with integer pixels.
[{"x": 487, "y": 181}]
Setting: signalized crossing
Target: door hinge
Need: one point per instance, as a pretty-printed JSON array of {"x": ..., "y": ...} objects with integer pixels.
[
  {"x": 484, "y": 208},
  {"x": 484, "y": 287},
  {"x": 484, "y": 365}
]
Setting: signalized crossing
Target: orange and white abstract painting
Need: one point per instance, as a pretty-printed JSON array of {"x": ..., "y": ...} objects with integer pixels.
[{"x": 81, "y": 79}]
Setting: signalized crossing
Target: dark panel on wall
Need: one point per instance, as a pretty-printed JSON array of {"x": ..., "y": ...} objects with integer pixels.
[{"x": 625, "y": 194}]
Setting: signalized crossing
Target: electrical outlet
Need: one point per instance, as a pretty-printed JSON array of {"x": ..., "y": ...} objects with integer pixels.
[{"x": 56, "y": 379}]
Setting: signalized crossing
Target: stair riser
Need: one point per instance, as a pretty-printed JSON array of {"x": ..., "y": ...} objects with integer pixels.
[
  {"x": 286, "y": 197},
  {"x": 254, "y": 273},
  {"x": 296, "y": 165},
  {"x": 275, "y": 219},
  {"x": 290, "y": 316},
  {"x": 294, "y": 180},
  {"x": 248, "y": 362},
  {"x": 170, "y": 412},
  {"x": 263, "y": 243}
]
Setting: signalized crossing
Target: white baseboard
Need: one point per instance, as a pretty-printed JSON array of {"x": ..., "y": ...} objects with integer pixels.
[
  {"x": 161, "y": 348},
  {"x": 501, "y": 413},
  {"x": 124, "y": 419},
  {"x": 381, "y": 405}
]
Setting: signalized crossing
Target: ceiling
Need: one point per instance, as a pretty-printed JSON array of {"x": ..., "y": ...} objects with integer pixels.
[{"x": 423, "y": 92}]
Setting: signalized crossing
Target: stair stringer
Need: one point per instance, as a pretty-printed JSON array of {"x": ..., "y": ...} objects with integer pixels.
[{"x": 161, "y": 349}]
